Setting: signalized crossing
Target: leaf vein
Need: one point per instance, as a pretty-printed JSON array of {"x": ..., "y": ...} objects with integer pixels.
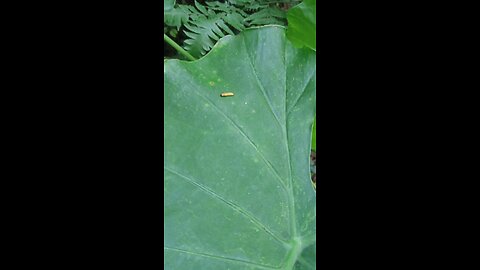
[
  {"x": 265, "y": 160},
  {"x": 230, "y": 204},
  {"x": 301, "y": 94},
  {"x": 262, "y": 89},
  {"x": 262, "y": 266}
]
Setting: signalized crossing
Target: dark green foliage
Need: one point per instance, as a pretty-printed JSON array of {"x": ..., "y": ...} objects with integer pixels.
[{"x": 200, "y": 26}]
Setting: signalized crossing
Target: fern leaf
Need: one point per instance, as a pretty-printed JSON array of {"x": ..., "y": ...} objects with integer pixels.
[
  {"x": 201, "y": 8},
  {"x": 176, "y": 17},
  {"x": 203, "y": 35},
  {"x": 225, "y": 28},
  {"x": 267, "y": 16},
  {"x": 205, "y": 24},
  {"x": 235, "y": 20}
]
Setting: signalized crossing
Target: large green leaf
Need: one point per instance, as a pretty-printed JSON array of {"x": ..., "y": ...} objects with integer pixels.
[
  {"x": 237, "y": 191},
  {"x": 302, "y": 24}
]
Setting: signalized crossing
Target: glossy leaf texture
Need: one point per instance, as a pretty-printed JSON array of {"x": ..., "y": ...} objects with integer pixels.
[
  {"x": 302, "y": 24},
  {"x": 237, "y": 190}
]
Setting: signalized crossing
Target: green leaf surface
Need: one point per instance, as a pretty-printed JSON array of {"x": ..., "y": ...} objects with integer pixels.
[
  {"x": 302, "y": 24},
  {"x": 237, "y": 190},
  {"x": 168, "y": 5}
]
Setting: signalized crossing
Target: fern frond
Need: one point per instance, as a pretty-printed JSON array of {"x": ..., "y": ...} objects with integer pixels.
[
  {"x": 212, "y": 22},
  {"x": 205, "y": 24},
  {"x": 201, "y": 8},
  {"x": 236, "y": 21},
  {"x": 176, "y": 17},
  {"x": 267, "y": 16},
  {"x": 205, "y": 33}
]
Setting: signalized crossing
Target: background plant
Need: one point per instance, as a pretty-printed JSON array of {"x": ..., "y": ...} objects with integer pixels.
[{"x": 198, "y": 25}]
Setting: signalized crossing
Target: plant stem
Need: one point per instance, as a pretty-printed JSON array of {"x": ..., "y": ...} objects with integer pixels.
[{"x": 178, "y": 48}]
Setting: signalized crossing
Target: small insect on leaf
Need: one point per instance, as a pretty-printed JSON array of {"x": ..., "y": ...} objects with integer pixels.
[{"x": 227, "y": 94}]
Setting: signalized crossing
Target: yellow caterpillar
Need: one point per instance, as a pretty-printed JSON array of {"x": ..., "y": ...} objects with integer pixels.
[{"x": 227, "y": 94}]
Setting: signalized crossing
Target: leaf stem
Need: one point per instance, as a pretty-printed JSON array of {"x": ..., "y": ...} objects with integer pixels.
[
  {"x": 178, "y": 48},
  {"x": 294, "y": 253}
]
